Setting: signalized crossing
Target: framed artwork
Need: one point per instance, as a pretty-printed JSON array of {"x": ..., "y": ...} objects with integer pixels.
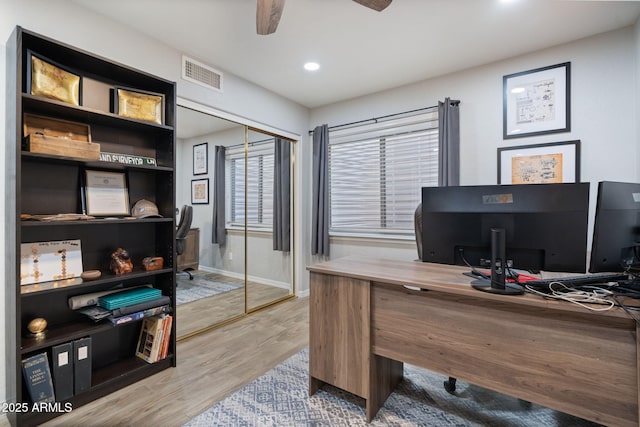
[
  {"x": 105, "y": 193},
  {"x": 537, "y": 102},
  {"x": 201, "y": 159},
  {"x": 554, "y": 162},
  {"x": 200, "y": 191}
]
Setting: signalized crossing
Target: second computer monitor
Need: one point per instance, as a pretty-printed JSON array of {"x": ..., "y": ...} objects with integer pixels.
[
  {"x": 616, "y": 231},
  {"x": 544, "y": 225}
]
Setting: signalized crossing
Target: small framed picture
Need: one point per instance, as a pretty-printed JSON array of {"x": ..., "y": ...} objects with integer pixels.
[
  {"x": 105, "y": 193},
  {"x": 200, "y": 191},
  {"x": 554, "y": 162},
  {"x": 201, "y": 159},
  {"x": 138, "y": 104},
  {"x": 537, "y": 102}
]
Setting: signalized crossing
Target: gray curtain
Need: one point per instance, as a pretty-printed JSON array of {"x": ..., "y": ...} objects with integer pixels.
[
  {"x": 320, "y": 218},
  {"x": 449, "y": 148},
  {"x": 282, "y": 196},
  {"x": 219, "y": 233}
]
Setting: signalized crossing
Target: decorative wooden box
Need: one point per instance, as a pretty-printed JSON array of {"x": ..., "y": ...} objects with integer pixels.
[{"x": 45, "y": 135}]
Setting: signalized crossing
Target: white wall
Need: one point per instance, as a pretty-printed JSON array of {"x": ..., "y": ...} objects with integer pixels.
[{"x": 604, "y": 113}]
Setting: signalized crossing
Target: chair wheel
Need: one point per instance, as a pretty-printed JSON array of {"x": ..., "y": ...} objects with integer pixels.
[{"x": 450, "y": 385}]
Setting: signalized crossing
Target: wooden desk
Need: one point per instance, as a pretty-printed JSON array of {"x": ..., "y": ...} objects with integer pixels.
[
  {"x": 190, "y": 258},
  {"x": 364, "y": 324}
]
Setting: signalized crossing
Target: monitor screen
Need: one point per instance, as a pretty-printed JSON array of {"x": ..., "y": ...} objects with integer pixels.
[
  {"x": 616, "y": 231},
  {"x": 544, "y": 225}
]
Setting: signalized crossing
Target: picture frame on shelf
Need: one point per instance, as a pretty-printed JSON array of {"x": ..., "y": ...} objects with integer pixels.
[
  {"x": 201, "y": 159},
  {"x": 555, "y": 162},
  {"x": 537, "y": 102},
  {"x": 105, "y": 193},
  {"x": 200, "y": 191},
  {"x": 49, "y": 79},
  {"x": 50, "y": 261},
  {"x": 138, "y": 104}
]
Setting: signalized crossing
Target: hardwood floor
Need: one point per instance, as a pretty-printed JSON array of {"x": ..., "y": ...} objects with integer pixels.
[
  {"x": 200, "y": 314},
  {"x": 210, "y": 367}
]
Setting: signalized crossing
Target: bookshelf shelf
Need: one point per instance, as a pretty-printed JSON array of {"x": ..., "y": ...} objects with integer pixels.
[{"x": 49, "y": 184}]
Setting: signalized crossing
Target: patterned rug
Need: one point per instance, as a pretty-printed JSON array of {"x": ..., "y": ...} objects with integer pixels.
[
  {"x": 280, "y": 398},
  {"x": 203, "y": 285}
]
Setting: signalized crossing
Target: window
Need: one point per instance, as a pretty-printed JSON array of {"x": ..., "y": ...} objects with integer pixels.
[
  {"x": 259, "y": 188},
  {"x": 376, "y": 172}
]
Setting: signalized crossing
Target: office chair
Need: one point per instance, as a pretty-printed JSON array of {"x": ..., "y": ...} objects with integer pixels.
[
  {"x": 186, "y": 217},
  {"x": 450, "y": 384}
]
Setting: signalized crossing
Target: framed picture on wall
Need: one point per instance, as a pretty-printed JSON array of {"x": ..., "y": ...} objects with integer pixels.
[
  {"x": 537, "y": 102},
  {"x": 201, "y": 159},
  {"x": 200, "y": 191},
  {"x": 554, "y": 162}
]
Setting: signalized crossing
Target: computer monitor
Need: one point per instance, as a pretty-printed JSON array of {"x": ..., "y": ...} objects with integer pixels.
[
  {"x": 528, "y": 227},
  {"x": 616, "y": 231}
]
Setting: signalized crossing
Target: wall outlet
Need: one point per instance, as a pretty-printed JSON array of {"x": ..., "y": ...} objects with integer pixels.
[{"x": 230, "y": 256}]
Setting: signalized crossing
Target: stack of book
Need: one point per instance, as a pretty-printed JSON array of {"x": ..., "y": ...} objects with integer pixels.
[
  {"x": 155, "y": 334},
  {"x": 123, "y": 306}
]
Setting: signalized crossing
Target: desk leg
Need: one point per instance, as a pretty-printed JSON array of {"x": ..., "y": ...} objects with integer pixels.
[
  {"x": 314, "y": 385},
  {"x": 385, "y": 374}
]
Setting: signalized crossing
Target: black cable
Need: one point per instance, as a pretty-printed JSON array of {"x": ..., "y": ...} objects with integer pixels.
[{"x": 473, "y": 269}]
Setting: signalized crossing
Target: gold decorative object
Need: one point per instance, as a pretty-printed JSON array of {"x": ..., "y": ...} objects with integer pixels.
[
  {"x": 53, "y": 82},
  {"x": 139, "y": 105},
  {"x": 37, "y": 327}
]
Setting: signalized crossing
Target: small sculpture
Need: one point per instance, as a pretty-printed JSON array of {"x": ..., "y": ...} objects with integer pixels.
[
  {"x": 152, "y": 263},
  {"x": 37, "y": 327},
  {"x": 121, "y": 262}
]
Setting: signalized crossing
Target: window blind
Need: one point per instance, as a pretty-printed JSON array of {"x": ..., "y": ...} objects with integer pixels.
[
  {"x": 377, "y": 170},
  {"x": 259, "y": 185}
]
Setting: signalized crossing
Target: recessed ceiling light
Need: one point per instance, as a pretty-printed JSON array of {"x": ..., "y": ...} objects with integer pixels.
[{"x": 311, "y": 66}]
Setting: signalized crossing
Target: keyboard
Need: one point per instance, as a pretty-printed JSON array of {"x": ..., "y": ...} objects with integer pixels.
[{"x": 575, "y": 281}]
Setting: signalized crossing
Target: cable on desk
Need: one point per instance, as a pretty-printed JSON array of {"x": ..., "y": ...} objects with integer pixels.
[
  {"x": 579, "y": 297},
  {"x": 628, "y": 309}
]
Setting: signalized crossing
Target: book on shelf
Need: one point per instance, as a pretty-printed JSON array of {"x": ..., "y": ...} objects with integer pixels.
[
  {"x": 166, "y": 335},
  {"x": 154, "y": 311},
  {"x": 37, "y": 377},
  {"x": 154, "y": 333},
  {"x": 162, "y": 300}
]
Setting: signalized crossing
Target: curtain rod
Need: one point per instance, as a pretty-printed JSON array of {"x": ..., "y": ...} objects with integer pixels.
[
  {"x": 375, "y": 119},
  {"x": 262, "y": 141}
]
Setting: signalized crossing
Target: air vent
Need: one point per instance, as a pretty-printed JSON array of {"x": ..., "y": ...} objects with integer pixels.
[{"x": 199, "y": 73}]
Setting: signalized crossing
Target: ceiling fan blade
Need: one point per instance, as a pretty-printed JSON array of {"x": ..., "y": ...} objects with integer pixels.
[
  {"x": 268, "y": 15},
  {"x": 378, "y": 5}
]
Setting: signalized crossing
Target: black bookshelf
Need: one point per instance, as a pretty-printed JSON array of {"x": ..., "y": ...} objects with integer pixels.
[{"x": 45, "y": 184}]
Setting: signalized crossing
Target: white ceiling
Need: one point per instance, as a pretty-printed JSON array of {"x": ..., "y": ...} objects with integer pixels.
[{"x": 361, "y": 51}]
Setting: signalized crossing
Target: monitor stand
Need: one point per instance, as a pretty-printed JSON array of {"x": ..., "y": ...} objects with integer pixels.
[{"x": 498, "y": 284}]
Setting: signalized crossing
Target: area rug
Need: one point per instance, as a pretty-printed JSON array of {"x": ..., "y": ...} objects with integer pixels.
[
  {"x": 280, "y": 398},
  {"x": 203, "y": 285}
]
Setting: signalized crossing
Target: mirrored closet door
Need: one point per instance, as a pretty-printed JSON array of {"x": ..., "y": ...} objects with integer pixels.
[
  {"x": 246, "y": 262},
  {"x": 269, "y": 220},
  {"x": 216, "y": 292}
]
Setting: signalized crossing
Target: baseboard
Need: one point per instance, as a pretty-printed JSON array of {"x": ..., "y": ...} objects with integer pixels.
[{"x": 240, "y": 276}]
